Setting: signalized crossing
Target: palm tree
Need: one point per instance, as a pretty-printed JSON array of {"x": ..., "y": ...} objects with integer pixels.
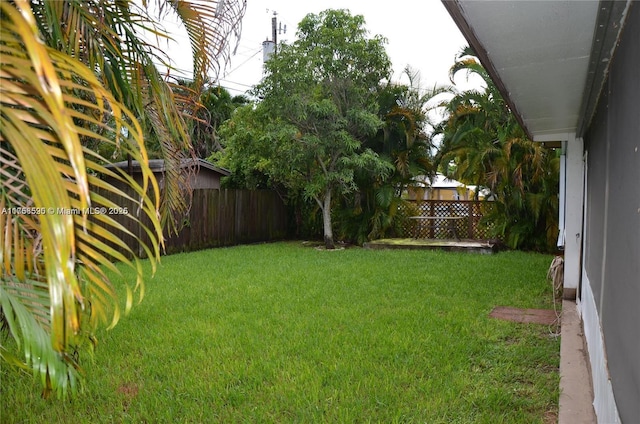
[
  {"x": 483, "y": 144},
  {"x": 405, "y": 142},
  {"x": 470, "y": 142},
  {"x": 75, "y": 77},
  {"x": 406, "y": 134}
]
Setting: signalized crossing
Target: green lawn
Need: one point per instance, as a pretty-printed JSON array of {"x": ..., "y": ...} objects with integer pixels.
[{"x": 287, "y": 333}]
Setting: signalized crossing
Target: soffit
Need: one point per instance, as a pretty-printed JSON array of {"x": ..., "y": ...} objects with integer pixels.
[{"x": 538, "y": 53}]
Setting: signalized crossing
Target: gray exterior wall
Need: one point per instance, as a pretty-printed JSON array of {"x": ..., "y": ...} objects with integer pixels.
[{"x": 612, "y": 226}]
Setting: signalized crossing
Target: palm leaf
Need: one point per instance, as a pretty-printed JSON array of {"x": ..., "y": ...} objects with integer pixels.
[
  {"x": 70, "y": 74},
  {"x": 208, "y": 25},
  {"x": 51, "y": 260}
]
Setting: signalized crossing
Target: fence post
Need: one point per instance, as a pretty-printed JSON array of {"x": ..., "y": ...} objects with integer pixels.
[
  {"x": 470, "y": 208},
  {"x": 432, "y": 226}
]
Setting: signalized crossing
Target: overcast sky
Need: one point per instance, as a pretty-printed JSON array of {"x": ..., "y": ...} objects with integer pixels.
[{"x": 419, "y": 33}]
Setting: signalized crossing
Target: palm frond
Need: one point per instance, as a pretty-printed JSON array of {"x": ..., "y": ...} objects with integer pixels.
[
  {"x": 52, "y": 251},
  {"x": 208, "y": 25}
]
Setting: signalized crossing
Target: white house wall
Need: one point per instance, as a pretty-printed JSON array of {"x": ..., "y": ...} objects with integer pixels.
[
  {"x": 604, "y": 402},
  {"x": 573, "y": 215}
]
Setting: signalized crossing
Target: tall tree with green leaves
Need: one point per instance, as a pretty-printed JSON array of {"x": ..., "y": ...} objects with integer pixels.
[
  {"x": 76, "y": 76},
  {"x": 247, "y": 150},
  {"x": 321, "y": 90},
  {"x": 483, "y": 144}
]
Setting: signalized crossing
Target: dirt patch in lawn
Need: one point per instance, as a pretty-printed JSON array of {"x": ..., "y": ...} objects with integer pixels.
[
  {"x": 129, "y": 391},
  {"x": 534, "y": 316}
]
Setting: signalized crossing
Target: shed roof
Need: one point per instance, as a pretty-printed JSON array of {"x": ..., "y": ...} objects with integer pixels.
[{"x": 157, "y": 165}]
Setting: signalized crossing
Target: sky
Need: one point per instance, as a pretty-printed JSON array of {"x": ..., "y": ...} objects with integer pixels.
[{"x": 420, "y": 34}]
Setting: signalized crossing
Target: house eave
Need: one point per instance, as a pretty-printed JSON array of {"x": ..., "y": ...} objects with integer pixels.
[
  {"x": 552, "y": 89},
  {"x": 609, "y": 24},
  {"x": 454, "y": 9}
]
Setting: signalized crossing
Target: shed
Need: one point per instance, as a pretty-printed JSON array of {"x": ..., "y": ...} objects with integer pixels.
[{"x": 207, "y": 175}]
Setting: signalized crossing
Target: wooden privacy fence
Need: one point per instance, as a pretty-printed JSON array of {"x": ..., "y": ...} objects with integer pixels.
[
  {"x": 218, "y": 218},
  {"x": 467, "y": 227}
]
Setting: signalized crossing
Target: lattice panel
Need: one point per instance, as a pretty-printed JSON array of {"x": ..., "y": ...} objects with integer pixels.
[{"x": 466, "y": 223}]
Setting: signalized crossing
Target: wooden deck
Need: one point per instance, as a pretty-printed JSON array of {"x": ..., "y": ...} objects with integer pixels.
[{"x": 470, "y": 246}]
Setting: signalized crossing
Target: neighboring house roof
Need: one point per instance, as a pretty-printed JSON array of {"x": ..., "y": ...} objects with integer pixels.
[
  {"x": 549, "y": 59},
  {"x": 157, "y": 165},
  {"x": 439, "y": 181}
]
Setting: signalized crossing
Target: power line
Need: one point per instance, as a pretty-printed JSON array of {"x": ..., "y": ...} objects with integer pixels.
[
  {"x": 236, "y": 83},
  {"x": 249, "y": 46},
  {"x": 243, "y": 63}
]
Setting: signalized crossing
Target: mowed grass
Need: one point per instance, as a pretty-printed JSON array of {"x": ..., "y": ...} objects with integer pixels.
[{"x": 284, "y": 332}]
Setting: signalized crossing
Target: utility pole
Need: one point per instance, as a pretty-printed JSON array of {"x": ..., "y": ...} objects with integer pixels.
[
  {"x": 271, "y": 46},
  {"x": 274, "y": 32}
]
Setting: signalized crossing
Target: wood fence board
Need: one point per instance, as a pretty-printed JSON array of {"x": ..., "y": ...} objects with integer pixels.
[{"x": 216, "y": 218}]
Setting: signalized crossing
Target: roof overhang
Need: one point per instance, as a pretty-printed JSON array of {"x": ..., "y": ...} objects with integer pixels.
[{"x": 549, "y": 59}]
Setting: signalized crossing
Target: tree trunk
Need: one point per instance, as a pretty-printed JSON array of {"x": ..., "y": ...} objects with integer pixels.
[{"x": 326, "y": 221}]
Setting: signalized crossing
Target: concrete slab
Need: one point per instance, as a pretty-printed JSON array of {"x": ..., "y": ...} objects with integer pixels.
[
  {"x": 464, "y": 245},
  {"x": 576, "y": 391}
]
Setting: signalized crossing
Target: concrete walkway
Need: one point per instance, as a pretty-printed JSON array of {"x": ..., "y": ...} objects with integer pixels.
[{"x": 576, "y": 392}]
